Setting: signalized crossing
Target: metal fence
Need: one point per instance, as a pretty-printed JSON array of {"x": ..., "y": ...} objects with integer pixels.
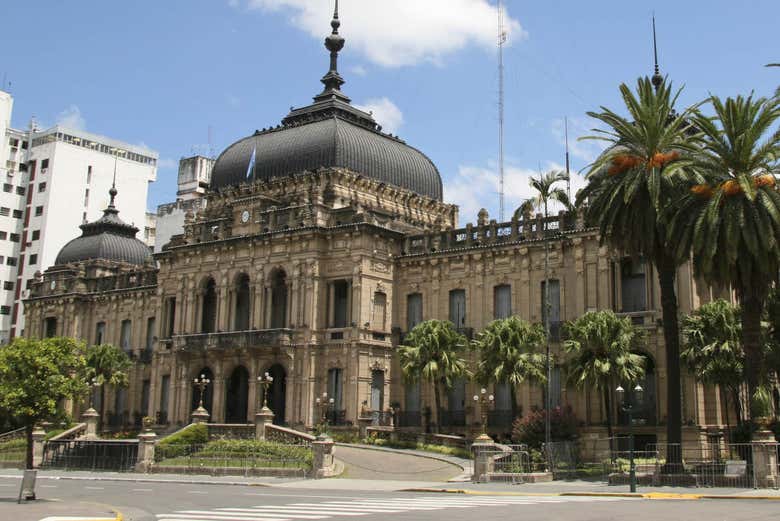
[
  {"x": 510, "y": 463},
  {"x": 238, "y": 461},
  {"x": 119, "y": 455}
]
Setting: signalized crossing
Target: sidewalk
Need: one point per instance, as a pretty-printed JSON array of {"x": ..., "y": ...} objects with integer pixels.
[{"x": 45, "y": 509}]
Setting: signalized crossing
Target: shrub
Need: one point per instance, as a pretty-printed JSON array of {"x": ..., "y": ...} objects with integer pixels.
[
  {"x": 530, "y": 429},
  {"x": 180, "y": 443},
  {"x": 258, "y": 450}
]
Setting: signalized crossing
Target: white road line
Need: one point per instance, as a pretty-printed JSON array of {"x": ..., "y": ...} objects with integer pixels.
[
  {"x": 94, "y": 488},
  {"x": 304, "y": 510},
  {"x": 11, "y": 485},
  {"x": 196, "y": 492},
  {"x": 252, "y": 514},
  {"x": 142, "y": 490},
  {"x": 210, "y": 517},
  {"x": 347, "y": 507},
  {"x": 48, "y": 486}
]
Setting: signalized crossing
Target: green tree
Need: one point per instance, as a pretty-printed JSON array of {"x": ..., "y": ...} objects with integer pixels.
[
  {"x": 434, "y": 351},
  {"x": 511, "y": 351},
  {"x": 35, "y": 376},
  {"x": 772, "y": 322},
  {"x": 109, "y": 365},
  {"x": 602, "y": 349},
  {"x": 713, "y": 350},
  {"x": 731, "y": 223},
  {"x": 629, "y": 186}
]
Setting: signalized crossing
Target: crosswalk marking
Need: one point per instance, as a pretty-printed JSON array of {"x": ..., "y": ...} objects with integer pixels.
[{"x": 305, "y": 511}]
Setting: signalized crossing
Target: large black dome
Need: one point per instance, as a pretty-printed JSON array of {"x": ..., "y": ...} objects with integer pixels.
[
  {"x": 109, "y": 238},
  {"x": 328, "y": 133}
]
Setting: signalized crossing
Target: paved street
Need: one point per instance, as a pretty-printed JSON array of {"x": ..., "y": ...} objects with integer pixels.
[
  {"x": 361, "y": 463},
  {"x": 160, "y": 501}
]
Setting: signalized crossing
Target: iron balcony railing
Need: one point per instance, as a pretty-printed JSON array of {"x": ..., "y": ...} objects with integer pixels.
[{"x": 233, "y": 339}]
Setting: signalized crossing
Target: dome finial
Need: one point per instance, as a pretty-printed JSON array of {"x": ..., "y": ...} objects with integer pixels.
[
  {"x": 334, "y": 43},
  {"x": 657, "y": 79},
  {"x": 113, "y": 191}
]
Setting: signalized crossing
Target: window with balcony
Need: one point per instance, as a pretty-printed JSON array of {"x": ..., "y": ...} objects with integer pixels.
[
  {"x": 208, "y": 322},
  {"x": 458, "y": 308},
  {"x": 336, "y": 387},
  {"x": 278, "y": 299},
  {"x": 243, "y": 303},
  {"x": 340, "y": 289},
  {"x": 502, "y": 301}
]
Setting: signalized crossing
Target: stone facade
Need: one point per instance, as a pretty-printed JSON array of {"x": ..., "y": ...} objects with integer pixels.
[{"x": 316, "y": 278}]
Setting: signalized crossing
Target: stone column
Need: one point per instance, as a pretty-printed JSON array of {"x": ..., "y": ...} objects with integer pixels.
[
  {"x": 364, "y": 422},
  {"x": 200, "y": 415},
  {"x": 764, "y": 448},
  {"x": 146, "y": 446},
  {"x": 38, "y": 438},
  {"x": 483, "y": 451},
  {"x": 262, "y": 419},
  {"x": 322, "y": 467},
  {"x": 91, "y": 417}
]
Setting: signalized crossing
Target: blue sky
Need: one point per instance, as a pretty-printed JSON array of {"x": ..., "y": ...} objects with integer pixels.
[{"x": 161, "y": 72}]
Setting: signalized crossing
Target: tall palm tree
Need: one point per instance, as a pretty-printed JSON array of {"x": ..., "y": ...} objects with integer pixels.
[
  {"x": 547, "y": 191},
  {"x": 434, "y": 351},
  {"x": 510, "y": 351},
  {"x": 713, "y": 350},
  {"x": 629, "y": 185},
  {"x": 603, "y": 353},
  {"x": 731, "y": 222},
  {"x": 109, "y": 365}
]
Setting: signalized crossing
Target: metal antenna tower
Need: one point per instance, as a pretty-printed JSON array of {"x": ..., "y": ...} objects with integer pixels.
[
  {"x": 566, "y": 141},
  {"x": 501, "y": 42}
]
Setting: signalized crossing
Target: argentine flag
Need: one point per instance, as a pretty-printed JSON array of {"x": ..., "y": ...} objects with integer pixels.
[{"x": 251, "y": 168}]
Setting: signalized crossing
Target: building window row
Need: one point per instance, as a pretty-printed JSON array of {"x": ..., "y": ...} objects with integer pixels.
[{"x": 93, "y": 145}]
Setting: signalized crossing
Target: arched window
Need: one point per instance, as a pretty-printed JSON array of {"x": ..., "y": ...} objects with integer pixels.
[
  {"x": 278, "y": 300},
  {"x": 209, "y": 314},
  {"x": 241, "y": 322}
]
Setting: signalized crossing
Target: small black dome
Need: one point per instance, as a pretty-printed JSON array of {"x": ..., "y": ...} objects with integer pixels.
[{"x": 109, "y": 238}]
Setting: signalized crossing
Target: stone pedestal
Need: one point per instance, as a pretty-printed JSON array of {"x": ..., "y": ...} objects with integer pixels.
[
  {"x": 262, "y": 419},
  {"x": 39, "y": 438},
  {"x": 483, "y": 449},
  {"x": 364, "y": 422},
  {"x": 146, "y": 445},
  {"x": 200, "y": 415},
  {"x": 764, "y": 448},
  {"x": 323, "y": 465},
  {"x": 91, "y": 417}
]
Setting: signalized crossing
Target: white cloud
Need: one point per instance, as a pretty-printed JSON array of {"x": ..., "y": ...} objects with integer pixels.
[
  {"x": 165, "y": 163},
  {"x": 358, "y": 70},
  {"x": 587, "y": 150},
  {"x": 385, "y": 112},
  {"x": 393, "y": 33},
  {"x": 476, "y": 187},
  {"x": 71, "y": 118}
]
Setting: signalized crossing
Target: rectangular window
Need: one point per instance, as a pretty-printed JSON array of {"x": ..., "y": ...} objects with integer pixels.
[
  {"x": 340, "y": 303},
  {"x": 50, "y": 327},
  {"x": 17, "y": 214},
  {"x": 2, "y": 259},
  {"x": 150, "y": 328},
  {"x": 38, "y": 211},
  {"x": 8, "y": 285},
  {"x": 25, "y": 145},
  {"x": 145, "y": 388},
  {"x": 11, "y": 261},
  {"x": 5, "y": 310},
  {"x": 632, "y": 285},
  {"x": 170, "y": 314},
  {"x": 165, "y": 387},
  {"x": 89, "y": 174},
  {"x": 124, "y": 337},
  {"x": 33, "y": 259},
  {"x": 36, "y": 234},
  {"x": 3, "y": 236},
  {"x": 4, "y": 211},
  {"x": 14, "y": 142},
  {"x": 414, "y": 312},
  {"x": 336, "y": 387},
  {"x": 554, "y": 308},
  {"x": 458, "y": 307},
  {"x": 502, "y": 301},
  {"x": 23, "y": 167},
  {"x": 20, "y": 190},
  {"x": 100, "y": 333},
  {"x": 42, "y": 187},
  {"x": 14, "y": 237},
  {"x": 44, "y": 164},
  {"x": 8, "y": 188}
]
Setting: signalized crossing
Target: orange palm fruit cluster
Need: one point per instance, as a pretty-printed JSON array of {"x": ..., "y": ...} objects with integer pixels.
[
  {"x": 702, "y": 191},
  {"x": 764, "y": 180},
  {"x": 659, "y": 160},
  {"x": 731, "y": 187},
  {"x": 623, "y": 162}
]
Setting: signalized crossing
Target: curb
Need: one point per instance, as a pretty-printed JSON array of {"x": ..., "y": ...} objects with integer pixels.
[
  {"x": 150, "y": 480},
  {"x": 648, "y": 495},
  {"x": 118, "y": 516}
]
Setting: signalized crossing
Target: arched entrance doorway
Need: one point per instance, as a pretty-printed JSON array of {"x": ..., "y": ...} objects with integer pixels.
[
  {"x": 208, "y": 393},
  {"x": 277, "y": 393},
  {"x": 237, "y": 396}
]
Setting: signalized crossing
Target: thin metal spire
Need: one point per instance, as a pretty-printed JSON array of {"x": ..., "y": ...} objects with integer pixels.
[
  {"x": 334, "y": 43},
  {"x": 501, "y": 41},
  {"x": 566, "y": 141},
  {"x": 657, "y": 78},
  {"x": 113, "y": 191}
]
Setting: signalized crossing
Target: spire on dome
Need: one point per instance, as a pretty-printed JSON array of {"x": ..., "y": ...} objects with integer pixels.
[
  {"x": 113, "y": 191},
  {"x": 657, "y": 79},
  {"x": 333, "y": 43}
]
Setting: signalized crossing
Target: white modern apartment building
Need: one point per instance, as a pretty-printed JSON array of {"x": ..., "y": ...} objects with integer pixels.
[{"x": 64, "y": 182}]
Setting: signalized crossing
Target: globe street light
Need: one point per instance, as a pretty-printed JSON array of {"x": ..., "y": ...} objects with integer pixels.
[
  {"x": 485, "y": 403},
  {"x": 627, "y": 405},
  {"x": 93, "y": 384},
  {"x": 265, "y": 382},
  {"x": 201, "y": 383},
  {"x": 324, "y": 404}
]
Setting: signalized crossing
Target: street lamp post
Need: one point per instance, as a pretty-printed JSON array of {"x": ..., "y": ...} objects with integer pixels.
[
  {"x": 93, "y": 384},
  {"x": 201, "y": 383},
  {"x": 627, "y": 405},
  {"x": 265, "y": 381},
  {"x": 485, "y": 403},
  {"x": 324, "y": 404}
]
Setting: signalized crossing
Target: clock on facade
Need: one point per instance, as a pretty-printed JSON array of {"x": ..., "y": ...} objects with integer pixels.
[{"x": 244, "y": 216}]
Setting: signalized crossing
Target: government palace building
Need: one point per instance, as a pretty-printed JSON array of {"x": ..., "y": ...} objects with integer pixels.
[{"x": 322, "y": 243}]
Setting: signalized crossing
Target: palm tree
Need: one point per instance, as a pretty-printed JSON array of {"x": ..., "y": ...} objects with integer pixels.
[
  {"x": 629, "y": 185},
  {"x": 108, "y": 365},
  {"x": 713, "y": 350},
  {"x": 731, "y": 222},
  {"x": 510, "y": 351},
  {"x": 603, "y": 348},
  {"x": 547, "y": 191},
  {"x": 434, "y": 351}
]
